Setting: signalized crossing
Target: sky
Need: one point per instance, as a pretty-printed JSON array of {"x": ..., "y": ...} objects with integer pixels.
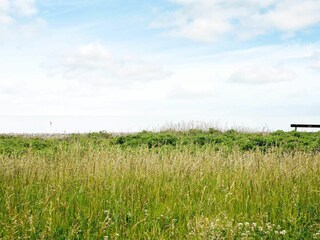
[{"x": 128, "y": 65}]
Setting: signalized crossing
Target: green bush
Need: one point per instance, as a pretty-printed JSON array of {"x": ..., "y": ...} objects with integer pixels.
[{"x": 286, "y": 141}]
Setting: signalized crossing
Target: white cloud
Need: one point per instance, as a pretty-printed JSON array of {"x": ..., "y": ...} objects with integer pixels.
[
  {"x": 5, "y": 19},
  {"x": 18, "y": 7},
  {"x": 255, "y": 75},
  {"x": 94, "y": 64},
  {"x": 261, "y": 76},
  {"x": 315, "y": 61},
  {"x": 11, "y": 9},
  {"x": 198, "y": 89},
  {"x": 16, "y": 15},
  {"x": 4, "y": 5},
  {"x": 182, "y": 93},
  {"x": 207, "y": 20},
  {"x": 32, "y": 29},
  {"x": 316, "y": 65},
  {"x": 23, "y": 7}
]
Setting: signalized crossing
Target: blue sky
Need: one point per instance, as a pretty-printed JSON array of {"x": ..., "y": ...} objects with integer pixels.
[{"x": 141, "y": 64}]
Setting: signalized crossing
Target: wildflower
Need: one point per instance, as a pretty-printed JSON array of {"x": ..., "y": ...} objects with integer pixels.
[
  {"x": 146, "y": 212},
  {"x": 276, "y": 232},
  {"x": 247, "y": 224},
  {"x": 240, "y": 224},
  {"x": 254, "y": 224},
  {"x": 283, "y": 232}
]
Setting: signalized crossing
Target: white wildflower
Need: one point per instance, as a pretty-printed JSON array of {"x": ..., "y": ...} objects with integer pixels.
[
  {"x": 146, "y": 212},
  {"x": 283, "y": 232}
]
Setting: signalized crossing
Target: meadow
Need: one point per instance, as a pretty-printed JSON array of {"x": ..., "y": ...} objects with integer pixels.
[{"x": 171, "y": 184}]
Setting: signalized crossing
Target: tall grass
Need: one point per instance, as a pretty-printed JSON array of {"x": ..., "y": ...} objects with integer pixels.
[{"x": 164, "y": 193}]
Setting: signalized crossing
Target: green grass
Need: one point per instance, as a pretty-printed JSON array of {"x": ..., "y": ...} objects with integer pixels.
[
  {"x": 168, "y": 185},
  {"x": 228, "y": 141}
]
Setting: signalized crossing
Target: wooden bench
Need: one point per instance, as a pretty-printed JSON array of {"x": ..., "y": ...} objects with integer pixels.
[{"x": 296, "y": 126}]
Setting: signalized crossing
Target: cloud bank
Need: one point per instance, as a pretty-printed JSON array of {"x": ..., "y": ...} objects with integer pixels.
[
  {"x": 94, "y": 63},
  {"x": 208, "y": 20},
  {"x": 259, "y": 75},
  {"x": 20, "y": 15}
]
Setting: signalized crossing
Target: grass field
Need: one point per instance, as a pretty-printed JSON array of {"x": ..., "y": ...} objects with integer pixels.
[{"x": 169, "y": 185}]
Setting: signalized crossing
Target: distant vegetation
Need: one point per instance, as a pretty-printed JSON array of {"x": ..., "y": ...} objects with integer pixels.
[
  {"x": 169, "y": 185},
  {"x": 228, "y": 140}
]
